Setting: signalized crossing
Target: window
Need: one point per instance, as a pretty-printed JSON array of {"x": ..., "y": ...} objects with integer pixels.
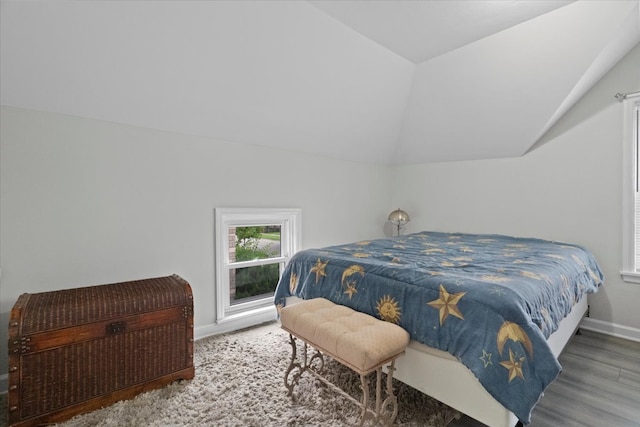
[
  {"x": 631, "y": 187},
  {"x": 252, "y": 248}
]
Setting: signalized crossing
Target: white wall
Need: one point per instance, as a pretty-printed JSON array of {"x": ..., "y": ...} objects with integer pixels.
[
  {"x": 87, "y": 202},
  {"x": 567, "y": 189}
]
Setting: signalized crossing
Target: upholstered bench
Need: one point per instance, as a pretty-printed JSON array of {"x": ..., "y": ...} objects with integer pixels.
[{"x": 357, "y": 340}]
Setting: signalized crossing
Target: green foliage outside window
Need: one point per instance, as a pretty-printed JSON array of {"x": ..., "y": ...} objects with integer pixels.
[{"x": 257, "y": 280}]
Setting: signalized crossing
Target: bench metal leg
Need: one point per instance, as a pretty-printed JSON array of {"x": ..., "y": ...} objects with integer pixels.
[
  {"x": 384, "y": 411},
  {"x": 364, "y": 405},
  {"x": 290, "y": 383},
  {"x": 296, "y": 369},
  {"x": 389, "y": 409}
]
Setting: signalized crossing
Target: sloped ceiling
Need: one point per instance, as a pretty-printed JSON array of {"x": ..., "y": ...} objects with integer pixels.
[
  {"x": 389, "y": 82},
  {"x": 421, "y": 30}
]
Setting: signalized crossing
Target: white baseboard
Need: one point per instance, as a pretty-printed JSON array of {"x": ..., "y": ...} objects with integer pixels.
[{"x": 613, "y": 329}]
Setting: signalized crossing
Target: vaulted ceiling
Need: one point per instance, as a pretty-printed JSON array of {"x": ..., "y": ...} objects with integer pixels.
[{"x": 390, "y": 82}]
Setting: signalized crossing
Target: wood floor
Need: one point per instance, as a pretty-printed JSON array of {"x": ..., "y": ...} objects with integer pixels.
[{"x": 599, "y": 386}]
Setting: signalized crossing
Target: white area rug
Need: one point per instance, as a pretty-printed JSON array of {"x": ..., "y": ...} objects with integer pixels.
[{"x": 240, "y": 382}]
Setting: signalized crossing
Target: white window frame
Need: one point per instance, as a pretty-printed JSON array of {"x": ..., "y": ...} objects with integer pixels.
[
  {"x": 290, "y": 221},
  {"x": 630, "y": 207}
]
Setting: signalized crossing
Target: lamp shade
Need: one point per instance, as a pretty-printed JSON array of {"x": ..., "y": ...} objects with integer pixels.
[{"x": 399, "y": 217}]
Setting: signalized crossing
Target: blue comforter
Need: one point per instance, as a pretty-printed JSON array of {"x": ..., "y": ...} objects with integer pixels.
[{"x": 489, "y": 300}]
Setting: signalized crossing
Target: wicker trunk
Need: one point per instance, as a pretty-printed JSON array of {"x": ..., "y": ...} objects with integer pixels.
[{"x": 75, "y": 350}]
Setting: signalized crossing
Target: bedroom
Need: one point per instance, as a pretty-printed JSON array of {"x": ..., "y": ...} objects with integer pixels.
[{"x": 120, "y": 138}]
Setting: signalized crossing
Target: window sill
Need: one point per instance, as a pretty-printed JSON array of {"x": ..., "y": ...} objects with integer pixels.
[
  {"x": 630, "y": 276},
  {"x": 255, "y": 315}
]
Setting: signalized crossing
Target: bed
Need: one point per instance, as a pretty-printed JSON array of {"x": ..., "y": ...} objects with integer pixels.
[{"x": 487, "y": 314}]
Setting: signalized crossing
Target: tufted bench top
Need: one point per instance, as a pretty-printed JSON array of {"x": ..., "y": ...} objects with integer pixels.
[{"x": 357, "y": 340}]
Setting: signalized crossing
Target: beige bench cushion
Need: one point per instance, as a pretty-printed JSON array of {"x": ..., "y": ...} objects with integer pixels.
[{"x": 358, "y": 340}]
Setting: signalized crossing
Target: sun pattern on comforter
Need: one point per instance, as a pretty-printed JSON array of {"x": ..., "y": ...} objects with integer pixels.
[{"x": 489, "y": 300}]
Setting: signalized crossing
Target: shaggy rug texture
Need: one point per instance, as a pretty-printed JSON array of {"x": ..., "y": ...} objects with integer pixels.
[{"x": 240, "y": 382}]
